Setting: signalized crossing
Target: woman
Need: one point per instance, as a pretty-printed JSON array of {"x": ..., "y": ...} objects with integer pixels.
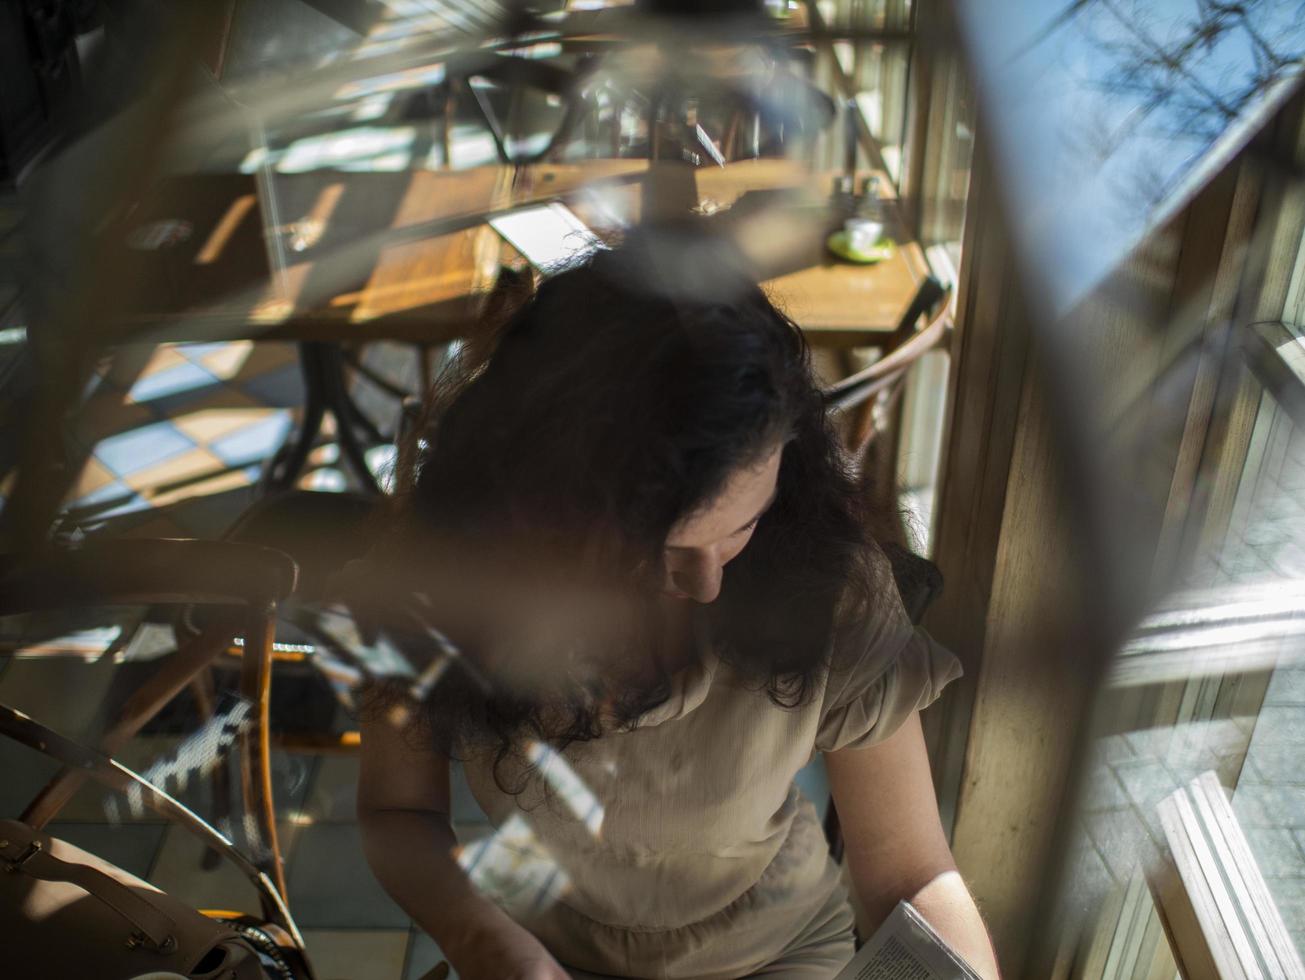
[{"x": 686, "y": 603}]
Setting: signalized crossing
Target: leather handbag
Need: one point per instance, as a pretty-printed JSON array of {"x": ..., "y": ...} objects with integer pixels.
[{"x": 66, "y": 914}]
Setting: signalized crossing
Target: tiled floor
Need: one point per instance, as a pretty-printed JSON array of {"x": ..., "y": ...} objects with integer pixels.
[
  {"x": 1270, "y": 797},
  {"x": 188, "y": 424}
]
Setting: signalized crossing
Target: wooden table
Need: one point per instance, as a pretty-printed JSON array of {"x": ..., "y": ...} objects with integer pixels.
[
  {"x": 323, "y": 256},
  {"x": 407, "y": 256},
  {"x": 836, "y": 303}
]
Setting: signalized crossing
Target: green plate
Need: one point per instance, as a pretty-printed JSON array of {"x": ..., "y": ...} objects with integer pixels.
[{"x": 838, "y": 244}]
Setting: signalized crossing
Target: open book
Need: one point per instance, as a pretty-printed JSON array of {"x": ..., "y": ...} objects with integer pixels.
[{"x": 906, "y": 947}]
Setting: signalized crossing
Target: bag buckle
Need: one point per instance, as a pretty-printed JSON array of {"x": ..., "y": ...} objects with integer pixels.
[
  {"x": 15, "y": 864},
  {"x": 139, "y": 939}
]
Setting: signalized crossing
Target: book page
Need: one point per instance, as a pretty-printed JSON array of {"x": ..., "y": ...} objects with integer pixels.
[{"x": 906, "y": 947}]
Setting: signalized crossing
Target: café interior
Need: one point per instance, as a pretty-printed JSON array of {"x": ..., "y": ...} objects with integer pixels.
[{"x": 1049, "y": 262}]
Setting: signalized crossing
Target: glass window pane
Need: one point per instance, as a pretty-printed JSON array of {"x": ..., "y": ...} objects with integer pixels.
[
  {"x": 948, "y": 156},
  {"x": 1118, "y": 112},
  {"x": 1213, "y": 683},
  {"x": 866, "y": 15}
]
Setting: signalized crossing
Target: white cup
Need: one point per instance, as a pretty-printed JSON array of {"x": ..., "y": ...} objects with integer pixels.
[{"x": 863, "y": 234}]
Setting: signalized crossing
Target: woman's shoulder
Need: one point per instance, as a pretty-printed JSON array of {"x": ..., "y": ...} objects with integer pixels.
[
  {"x": 870, "y": 619},
  {"x": 882, "y": 666}
]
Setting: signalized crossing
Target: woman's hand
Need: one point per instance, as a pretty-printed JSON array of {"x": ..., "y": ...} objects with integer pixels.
[{"x": 403, "y": 805}]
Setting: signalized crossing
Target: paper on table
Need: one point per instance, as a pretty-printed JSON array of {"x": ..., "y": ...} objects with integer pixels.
[
  {"x": 550, "y": 236},
  {"x": 906, "y": 947}
]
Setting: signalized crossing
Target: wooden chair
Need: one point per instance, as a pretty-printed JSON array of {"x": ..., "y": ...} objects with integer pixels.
[
  {"x": 468, "y": 76},
  {"x": 243, "y": 583},
  {"x": 713, "y": 114},
  {"x": 881, "y": 383},
  {"x": 275, "y": 933},
  {"x": 321, "y": 532},
  {"x": 869, "y": 400}
]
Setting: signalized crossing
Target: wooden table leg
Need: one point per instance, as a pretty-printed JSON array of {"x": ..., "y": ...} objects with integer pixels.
[{"x": 288, "y": 463}]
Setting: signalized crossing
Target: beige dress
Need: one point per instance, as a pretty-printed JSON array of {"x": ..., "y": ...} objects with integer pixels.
[{"x": 708, "y": 862}]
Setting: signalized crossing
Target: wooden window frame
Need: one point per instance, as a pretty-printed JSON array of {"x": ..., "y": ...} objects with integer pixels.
[{"x": 1009, "y": 741}]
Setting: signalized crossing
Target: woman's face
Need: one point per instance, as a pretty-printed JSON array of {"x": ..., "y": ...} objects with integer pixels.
[{"x": 700, "y": 546}]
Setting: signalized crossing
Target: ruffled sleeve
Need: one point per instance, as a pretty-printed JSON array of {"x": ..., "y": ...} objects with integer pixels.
[{"x": 884, "y": 669}]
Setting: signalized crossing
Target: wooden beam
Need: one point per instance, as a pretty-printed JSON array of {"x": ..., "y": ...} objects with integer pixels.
[{"x": 989, "y": 348}]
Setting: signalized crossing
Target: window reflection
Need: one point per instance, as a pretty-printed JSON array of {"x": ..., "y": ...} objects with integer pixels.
[
  {"x": 1211, "y": 687},
  {"x": 1112, "y": 110}
]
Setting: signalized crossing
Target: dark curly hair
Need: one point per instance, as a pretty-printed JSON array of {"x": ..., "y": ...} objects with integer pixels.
[{"x": 612, "y": 403}]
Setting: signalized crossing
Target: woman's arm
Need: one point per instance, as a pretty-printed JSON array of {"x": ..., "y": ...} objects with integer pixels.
[
  {"x": 403, "y": 812},
  {"x": 894, "y": 842}
]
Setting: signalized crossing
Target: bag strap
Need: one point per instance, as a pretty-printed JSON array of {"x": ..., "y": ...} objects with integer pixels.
[{"x": 153, "y": 928}]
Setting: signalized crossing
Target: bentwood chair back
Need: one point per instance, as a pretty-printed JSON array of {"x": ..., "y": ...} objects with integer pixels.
[
  {"x": 242, "y": 583},
  {"x": 903, "y": 347}
]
